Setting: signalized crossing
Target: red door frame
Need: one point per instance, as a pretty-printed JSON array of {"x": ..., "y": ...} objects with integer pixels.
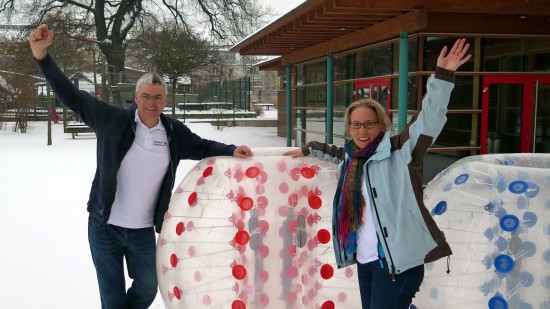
[
  {"x": 371, "y": 83},
  {"x": 528, "y": 81}
]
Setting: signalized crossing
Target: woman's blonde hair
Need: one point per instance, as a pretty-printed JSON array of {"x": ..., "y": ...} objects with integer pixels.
[{"x": 376, "y": 107}]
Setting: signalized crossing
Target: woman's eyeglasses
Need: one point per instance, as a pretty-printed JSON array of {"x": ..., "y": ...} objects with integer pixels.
[{"x": 366, "y": 124}]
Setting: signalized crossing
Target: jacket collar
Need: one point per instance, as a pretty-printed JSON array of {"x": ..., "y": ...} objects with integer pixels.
[{"x": 384, "y": 148}]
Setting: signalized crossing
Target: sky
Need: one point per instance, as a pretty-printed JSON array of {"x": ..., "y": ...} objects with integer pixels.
[
  {"x": 45, "y": 260},
  {"x": 281, "y": 6}
]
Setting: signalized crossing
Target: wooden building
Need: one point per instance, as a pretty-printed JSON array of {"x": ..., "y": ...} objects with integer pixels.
[{"x": 336, "y": 51}]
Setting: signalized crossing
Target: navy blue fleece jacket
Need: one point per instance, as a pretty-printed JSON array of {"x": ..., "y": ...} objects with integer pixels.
[{"x": 114, "y": 127}]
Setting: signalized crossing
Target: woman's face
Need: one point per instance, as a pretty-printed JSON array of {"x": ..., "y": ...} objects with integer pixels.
[{"x": 361, "y": 135}]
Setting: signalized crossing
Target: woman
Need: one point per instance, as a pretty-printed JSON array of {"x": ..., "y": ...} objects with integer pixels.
[{"x": 379, "y": 219}]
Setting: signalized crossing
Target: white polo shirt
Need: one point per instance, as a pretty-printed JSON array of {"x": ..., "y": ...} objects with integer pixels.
[{"x": 140, "y": 177}]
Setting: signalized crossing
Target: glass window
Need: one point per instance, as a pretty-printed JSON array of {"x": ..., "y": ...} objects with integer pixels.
[
  {"x": 311, "y": 120},
  {"x": 343, "y": 95},
  {"x": 312, "y": 96},
  {"x": 413, "y": 55},
  {"x": 344, "y": 67},
  {"x": 516, "y": 55},
  {"x": 412, "y": 93},
  {"x": 457, "y": 131},
  {"x": 316, "y": 72},
  {"x": 462, "y": 95},
  {"x": 300, "y": 75},
  {"x": 374, "y": 62},
  {"x": 433, "y": 47}
]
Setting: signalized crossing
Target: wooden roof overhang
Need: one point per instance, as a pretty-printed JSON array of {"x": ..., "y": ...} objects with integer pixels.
[{"x": 318, "y": 27}]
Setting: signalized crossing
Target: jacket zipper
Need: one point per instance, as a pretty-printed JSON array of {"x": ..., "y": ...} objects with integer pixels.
[{"x": 383, "y": 229}]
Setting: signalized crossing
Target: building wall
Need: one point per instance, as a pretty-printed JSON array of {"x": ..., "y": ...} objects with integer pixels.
[{"x": 483, "y": 118}]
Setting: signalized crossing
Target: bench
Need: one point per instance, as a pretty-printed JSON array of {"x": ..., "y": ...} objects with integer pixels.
[
  {"x": 74, "y": 129},
  {"x": 268, "y": 105}
]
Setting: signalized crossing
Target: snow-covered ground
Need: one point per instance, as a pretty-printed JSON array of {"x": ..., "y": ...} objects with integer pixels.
[{"x": 45, "y": 259}]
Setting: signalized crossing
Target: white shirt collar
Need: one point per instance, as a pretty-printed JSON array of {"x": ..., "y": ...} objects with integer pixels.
[{"x": 158, "y": 126}]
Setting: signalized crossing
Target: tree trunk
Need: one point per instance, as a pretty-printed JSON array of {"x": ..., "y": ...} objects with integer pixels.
[{"x": 173, "y": 96}]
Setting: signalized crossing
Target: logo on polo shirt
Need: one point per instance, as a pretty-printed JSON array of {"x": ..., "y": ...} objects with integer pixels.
[{"x": 159, "y": 143}]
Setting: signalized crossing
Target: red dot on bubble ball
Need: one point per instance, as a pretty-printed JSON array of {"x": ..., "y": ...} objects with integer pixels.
[
  {"x": 246, "y": 203},
  {"x": 263, "y": 251},
  {"x": 262, "y": 202},
  {"x": 323, "y": 236},
  {"x": 314, "y": 201},
  {"x": 180, "y": 228},
  {"x": 177, "y": 293},
  {"x": 307, "y": 172},
  {"x": 238, "y": 304},
  {"x": 291, "y": 272},
  {"x": 327, "y": 271},
  {"x": 242, "y": 237},
  {"x": 207, "y": 171},
  {"x": 291, "y": 298},
  {"x": 263, "y": 276},
  {"x": 293, "y": 200},
  {"x": 174, "y": 260},
  {"x": 263, "y": 225},
  {"x": 263, "y": 300},
  {"x": 239, "y": 272},
  {"x": 252, "y": 172},
  {"x": 295, "y": 173},
  {"x": 329, "y": 304},
  {"x": 192, "y": 199}
]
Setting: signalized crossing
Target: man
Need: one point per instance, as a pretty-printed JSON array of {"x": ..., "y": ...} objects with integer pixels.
[{"x": 138, "y": 152}]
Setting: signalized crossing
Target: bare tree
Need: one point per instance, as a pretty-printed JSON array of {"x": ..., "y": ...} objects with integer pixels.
[
  {"x": 228, "y": 19},
  {"x": 173, "y": 51}
]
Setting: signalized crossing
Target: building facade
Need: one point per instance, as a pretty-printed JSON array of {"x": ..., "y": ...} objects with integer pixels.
[{"x": 336, "y": 52}]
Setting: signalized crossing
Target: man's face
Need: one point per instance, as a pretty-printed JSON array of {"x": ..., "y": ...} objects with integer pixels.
[{"x": 150, "y": 100}]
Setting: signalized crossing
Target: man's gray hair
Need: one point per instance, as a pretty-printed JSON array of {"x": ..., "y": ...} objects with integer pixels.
[{"x": 152, "y": 79}]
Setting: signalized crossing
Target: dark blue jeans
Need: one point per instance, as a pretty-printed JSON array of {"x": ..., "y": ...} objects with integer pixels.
[
  {"x": 378, "y": 291},
  {"x": 110, "y": 245}
]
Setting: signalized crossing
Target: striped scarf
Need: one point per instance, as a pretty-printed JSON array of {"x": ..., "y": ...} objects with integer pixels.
[{"x": 352, "y": 204}]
